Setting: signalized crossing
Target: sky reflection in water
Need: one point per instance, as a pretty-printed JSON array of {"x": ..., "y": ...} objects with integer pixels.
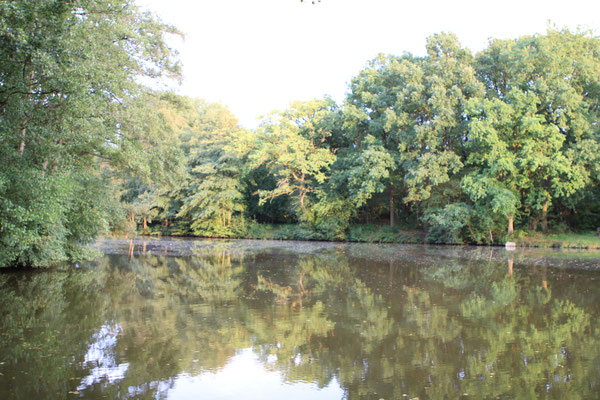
[{"x": 252, "y": 381}]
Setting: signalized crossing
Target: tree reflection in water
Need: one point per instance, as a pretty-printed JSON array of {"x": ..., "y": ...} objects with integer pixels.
[{"x": 301, "y": 324}]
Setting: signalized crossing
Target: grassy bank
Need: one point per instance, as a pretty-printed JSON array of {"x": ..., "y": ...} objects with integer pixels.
[
  {"x": 371, "y": 233},
  {"x": 588, "y": 240},
  {"x": 357, "y": 233}
]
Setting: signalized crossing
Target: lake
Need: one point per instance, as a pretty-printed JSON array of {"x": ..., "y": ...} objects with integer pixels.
[{"x": 221, "y": 319}]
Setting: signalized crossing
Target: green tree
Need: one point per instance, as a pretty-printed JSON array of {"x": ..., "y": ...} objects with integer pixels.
[
  {"x": 414, "y": 108},
  {"x": 542, "y": 111},
  {"x": 216, "y": 148},
  {"x": 69, "y": 85},
  {"x": 150, "y": 180},
  {"x": 293, "y": 145},
  {"x": 371, "y": 111}
]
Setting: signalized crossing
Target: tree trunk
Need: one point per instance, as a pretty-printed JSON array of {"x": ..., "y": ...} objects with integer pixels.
[
  {"x": 22, "y": 143},
  {"x": 55, "y": 166},
  {"x": 545, "y": 278},
  {"x": 391, "y": 206},
  {"x": 545, "y": 217},
  {"x": 24, "y": 123},
  {"x": 145, "y": 225},
  {"x": 44, "y": 167},
  {"x": 302, "y": 194},
  {"x": 511, "y": 228}
]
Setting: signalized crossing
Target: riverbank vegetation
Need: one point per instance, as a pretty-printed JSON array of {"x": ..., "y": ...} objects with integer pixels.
[
  {"x": 446, "y": 148},
  {"x": 584, "y": 240},
  {"x": 72, "y": 112},
  {"x": 449, "y": 147}
]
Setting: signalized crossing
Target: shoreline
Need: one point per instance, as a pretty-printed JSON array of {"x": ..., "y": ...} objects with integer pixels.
[
  {"x": 574, "y": 241},
  {"x": 532, "y": 242}
]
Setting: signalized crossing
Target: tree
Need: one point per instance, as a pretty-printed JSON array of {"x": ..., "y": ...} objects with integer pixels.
[
  {"x": 371, "y": 110},
  {"x": 293, "y": 146},
  {"x": 149, "y": 182},
  {"x": 494, "y": 181},
  {"x": 549, "y": 100},
  {"x": 414, "y": 108},
  {"x": 216, "y": 148},
  {"x": 69, "y": 83}
]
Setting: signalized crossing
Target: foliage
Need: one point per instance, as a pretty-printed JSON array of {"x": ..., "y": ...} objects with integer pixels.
[
  {"x": 214, "y": 193},
  {"x": 468, "y": 148},
  {"x": 70, "y": 97},
  {"x": 293, "y": 146},
  {"x": 566, "y": 240}
]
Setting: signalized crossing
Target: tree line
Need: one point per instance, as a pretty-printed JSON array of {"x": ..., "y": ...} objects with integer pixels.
[{"x": 466, "y": 148}]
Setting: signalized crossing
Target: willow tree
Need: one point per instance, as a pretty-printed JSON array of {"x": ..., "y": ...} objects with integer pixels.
[
  {"x": 149, "y": 194},
  {"x": 216, "y": 149}
]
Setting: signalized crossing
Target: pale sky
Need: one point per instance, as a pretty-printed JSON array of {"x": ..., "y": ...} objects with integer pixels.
[{"x": 256, "y": 56}]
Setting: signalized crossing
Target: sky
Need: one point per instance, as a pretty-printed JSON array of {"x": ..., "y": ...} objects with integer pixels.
[{"x": 256, "y": 56}]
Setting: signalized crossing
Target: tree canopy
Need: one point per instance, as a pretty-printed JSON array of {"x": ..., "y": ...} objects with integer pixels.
[
  {"x": 465, "y": 148},
  {"x": 71, "y": 107}
]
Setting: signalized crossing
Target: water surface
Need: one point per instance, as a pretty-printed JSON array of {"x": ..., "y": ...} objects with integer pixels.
[{"x": 189, "y": 319}]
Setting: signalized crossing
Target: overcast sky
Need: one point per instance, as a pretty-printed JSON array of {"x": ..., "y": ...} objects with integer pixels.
[{"x": 256, "y": 56}]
